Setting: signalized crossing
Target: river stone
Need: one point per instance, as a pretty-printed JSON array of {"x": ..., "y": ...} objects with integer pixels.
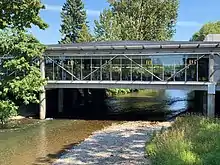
[{"x": 118, "y": 144}]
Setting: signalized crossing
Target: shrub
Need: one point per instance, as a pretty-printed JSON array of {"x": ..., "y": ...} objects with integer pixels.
[
  {"x": 7, "y": 110},
  {"x": 191, "y": 140}
]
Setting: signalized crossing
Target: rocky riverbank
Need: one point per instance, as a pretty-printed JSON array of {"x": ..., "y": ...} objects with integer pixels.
[{"x": 118, "y": 144}]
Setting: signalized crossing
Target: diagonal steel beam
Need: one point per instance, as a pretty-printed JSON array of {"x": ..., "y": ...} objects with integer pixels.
[
  {"x": 143, "y": 68},
  {"x": 186, "y": 67},
  {"x": 63, "y": 68},
  {"x": 100, "y": 67}
]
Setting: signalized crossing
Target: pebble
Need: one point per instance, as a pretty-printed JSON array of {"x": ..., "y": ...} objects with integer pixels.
[{"x": 122, "y": 144}]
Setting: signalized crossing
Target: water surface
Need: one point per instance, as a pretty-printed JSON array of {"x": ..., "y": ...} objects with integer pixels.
[{"x": 42, "y": 143}]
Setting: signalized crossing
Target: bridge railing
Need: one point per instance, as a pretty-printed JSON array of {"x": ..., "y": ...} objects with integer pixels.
[{"x": 183, "y": 67}]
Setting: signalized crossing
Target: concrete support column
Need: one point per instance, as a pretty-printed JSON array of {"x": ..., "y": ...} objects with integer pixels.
[
  {"x": 211, "y": 87},
  {"x": 211, "y": 100},
  {"x": 43, "y": 94},
  {"x": 74, "y": 95},
  {"x": 60, "y": 100},
  {"x": 204, "y": 102}
]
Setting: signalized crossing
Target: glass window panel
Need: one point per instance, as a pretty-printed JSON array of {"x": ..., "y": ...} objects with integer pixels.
[
  {"x": 147, "y": 65},
  {"x": 126, "y": 69},
  {"x": 96, "y": 69},
  {"x": 49, "y": 69},
  {"x": 137, "y": 70},
  {"x": 106, "y": 68},
  {"x": 179, "y": 71},
  {"x": 116, "y": 69},
  {"x": 192, "y": 69},
  {"x": 57, "y": 71},
  {"x": 86, "y": 69},
  {"x": 157, "y": 69},
  {"x": 73, "y": 66},
  {"x": 203, "y": 69},
  {"x": 172, "y": 65},
  {"x": 67, "y": 64}
]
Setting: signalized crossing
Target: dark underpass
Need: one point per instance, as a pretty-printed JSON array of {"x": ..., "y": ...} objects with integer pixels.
[{"x": 93, "y": 104}]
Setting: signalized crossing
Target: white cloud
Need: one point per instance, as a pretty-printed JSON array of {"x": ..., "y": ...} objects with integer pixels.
[
  {"x": 188, "y": 24},
  {"x": 57, "y": 8},
  {"x": 53, "y": 7}
]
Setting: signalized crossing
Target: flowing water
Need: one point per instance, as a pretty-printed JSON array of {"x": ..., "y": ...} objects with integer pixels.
[{"x": 41, "y": 143}]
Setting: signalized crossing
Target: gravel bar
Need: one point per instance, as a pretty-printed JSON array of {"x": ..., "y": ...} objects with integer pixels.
[{"x": 122, "y": 144}]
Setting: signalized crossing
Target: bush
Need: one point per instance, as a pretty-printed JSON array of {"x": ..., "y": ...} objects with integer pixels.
[
  {"x": 7, "y": 110},
  {"x": 191, "y": 140},
  {"x": 118, "y": 91}
]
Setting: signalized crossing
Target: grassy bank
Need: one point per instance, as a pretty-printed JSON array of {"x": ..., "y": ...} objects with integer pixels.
[
  {"x": 121, "y": 91},
  {"x": 192, "y": 140},
  {"x": 117, "y": 91}
]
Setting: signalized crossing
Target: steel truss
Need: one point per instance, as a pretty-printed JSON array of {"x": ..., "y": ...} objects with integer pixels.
[{"x": 109, "y": 62}]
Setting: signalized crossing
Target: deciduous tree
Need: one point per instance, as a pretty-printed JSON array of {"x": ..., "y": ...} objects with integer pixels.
[
  {"x": 21, "y": 14},
  {"x": 209, "y": 28},
  {"x": 84, "y": 35},
  {"x": 20, "y": 77},
  {"x": 138, "y": 20}
]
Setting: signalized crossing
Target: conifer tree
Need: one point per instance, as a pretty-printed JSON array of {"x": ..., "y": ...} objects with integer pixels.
[{"x": 73, "y": 18}]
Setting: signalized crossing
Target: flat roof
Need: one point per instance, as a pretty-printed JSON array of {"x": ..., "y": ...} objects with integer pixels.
[{"x": 136, "y": 45}]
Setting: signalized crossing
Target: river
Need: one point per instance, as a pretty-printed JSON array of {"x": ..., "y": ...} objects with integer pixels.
[{"x": 41, "y": 143}]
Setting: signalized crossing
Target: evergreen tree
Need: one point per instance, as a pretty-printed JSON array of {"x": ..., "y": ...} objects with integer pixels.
[{"x": 73, "y": 18}]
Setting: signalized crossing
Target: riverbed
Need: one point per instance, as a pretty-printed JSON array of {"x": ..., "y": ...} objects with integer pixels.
[
  {"x": 45, "y": 141},
  {"x": 118, "y": 144}
]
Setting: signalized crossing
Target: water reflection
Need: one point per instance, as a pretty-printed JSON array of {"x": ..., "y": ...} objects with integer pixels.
[
  {"x": 41, "y": 143},
  {"x": 151, "y": 101},
  {"x": 174, "y": 94}
]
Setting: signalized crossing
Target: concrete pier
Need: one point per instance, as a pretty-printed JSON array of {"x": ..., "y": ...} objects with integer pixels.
[
  {"x": 211, "y": 100},
  {"x": 60, "y": 100},
  {"x": 211, "y": 87},
  {"x": 43, "y": 94}
]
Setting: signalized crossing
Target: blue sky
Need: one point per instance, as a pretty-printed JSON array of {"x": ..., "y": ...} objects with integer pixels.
[{"x": 192, "y": 15}]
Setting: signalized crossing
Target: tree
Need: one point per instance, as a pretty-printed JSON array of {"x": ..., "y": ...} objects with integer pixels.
[
  {"x": 107, "y": 28},
  {"x": 137, "y": 20},
  {"x": 84, "y": 35},
  {"x": 73, "y": 18},
  {"x": 20, "y": 77},
  {"x": 209, "y": 28},
  {"x": 21, "y": 14}
]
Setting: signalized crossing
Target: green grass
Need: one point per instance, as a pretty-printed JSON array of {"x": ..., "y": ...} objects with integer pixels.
[{"x": 192, "y": 140}]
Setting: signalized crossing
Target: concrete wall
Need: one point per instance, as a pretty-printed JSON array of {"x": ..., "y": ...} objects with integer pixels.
[
  {"x": 215, "y": 38},
  {"x": 212, "y": 37}
]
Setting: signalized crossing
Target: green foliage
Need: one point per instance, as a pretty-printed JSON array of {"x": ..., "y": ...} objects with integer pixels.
[
  {"x": 84, "y": 35},
  {"x": 7, "y": 109},
  {"x": 137, "y": 20},
  {"x": 118, "y": 91},
  {"x": 107, "y": 28},
  {"x": 20, "y": 76},
  {"x": 21, "y": 14},
  {"x": 191, "y": 140},
  {"x": 73, "y": 18},
  {"x": 209, "y": 28},
  {"x": 23, "y": 81}
]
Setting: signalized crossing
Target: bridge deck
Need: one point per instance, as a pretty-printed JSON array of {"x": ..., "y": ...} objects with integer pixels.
[{"x": 130, "y": 84}]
